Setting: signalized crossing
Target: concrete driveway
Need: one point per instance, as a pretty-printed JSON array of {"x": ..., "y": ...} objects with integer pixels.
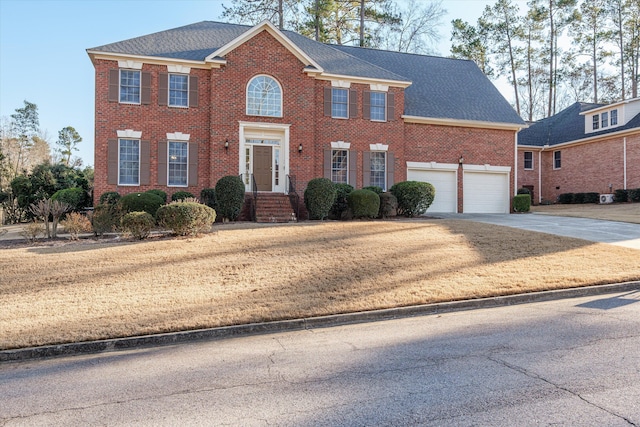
[{"x": 612, "y": 232}]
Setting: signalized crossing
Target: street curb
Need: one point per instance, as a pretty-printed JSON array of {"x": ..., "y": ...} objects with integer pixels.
[{"x": 94, "y": 347}]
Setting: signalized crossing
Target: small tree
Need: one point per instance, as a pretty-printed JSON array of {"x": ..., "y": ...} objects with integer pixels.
[
  {"x": 68, "y": 140},
  {"x": 230, "y": 196}
]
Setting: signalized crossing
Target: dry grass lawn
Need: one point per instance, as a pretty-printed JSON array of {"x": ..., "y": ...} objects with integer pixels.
[
  {"x": 245, "y": 273},
  {"x": 624, "y": 212}
]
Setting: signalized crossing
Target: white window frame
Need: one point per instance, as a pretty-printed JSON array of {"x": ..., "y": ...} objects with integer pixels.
[
  {"x": 120, "y": 86},
  {"x": 371, "y": 171},
  {"x": 371, "y": 106},
  {"x": 346, "y": 103},
  {"x": 557, "y": 162},
  {"x": 604, "y": 119},
  {"x": 169, "y": 90},
  {"x": 346, "y": 168},
  {"x": 256, "y": 112},
  {"x": 525, "y": 160},
  {"x": 120, "y": 161},
  {"x": 595, "y": 122},
  {"x": 169, "y": 163},
  {"x": 614, "y": 113}
]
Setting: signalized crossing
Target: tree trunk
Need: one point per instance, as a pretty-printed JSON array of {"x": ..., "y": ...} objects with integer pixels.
[
  {"x": 595, "y": 71},
  {"x": 361, "y": 23},
  {"x": 280, "y": 15},
  {"x": 551, "y": 81}
]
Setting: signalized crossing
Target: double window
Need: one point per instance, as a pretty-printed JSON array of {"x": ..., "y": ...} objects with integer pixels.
[
  {"x": 528, "y": 160},
  {"x": 178, "y": 161},
  {"x": 128, "y": 162},
  {"x": 264, "y": 97},
  {"x": 557, "y": 159},
  {"x": 130, "y": 86}
]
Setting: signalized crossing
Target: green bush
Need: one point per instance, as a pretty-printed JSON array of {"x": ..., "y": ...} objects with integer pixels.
[
  {"x": 138, "y": 224},
  {"x": 414, "y": 198},
  {"x": 578, "y": 198},
  {"x": 179, "y": 196},
  {"x": 229, "y": 196},
  {"x": 565, "y": 198},
  {"x": 140, "y": 202},
  {"x": 364, "y": 203},
  {"x": 621, "y": 196},
  {"x": 186, "y": 218},
  {"x": 591, "y": 197},
  {"x": 319, "y": 197},
  {"x": 104, "y": 219},
  {"x": 109, "y": 198},
  {"x": 340, "y": 206},
  {"x": 208, "y": 197},
  {"x": 374, "y": 188},
  {"x": 522, "y": 203},
  {"x": 388, "y": 205},
  {"x": 634, "y": 195},
  {"x": 159, "y": 193},
  {"x": 75, "y": 197}
]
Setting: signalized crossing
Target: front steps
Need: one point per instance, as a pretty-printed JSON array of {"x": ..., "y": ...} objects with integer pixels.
[{"x": 274, "y": 207}]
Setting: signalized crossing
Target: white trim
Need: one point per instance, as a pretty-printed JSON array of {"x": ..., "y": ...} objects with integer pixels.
[
  {"x": 178, "y": 136},
  {"x": 343, "y": 84},
  {"x": 432, "y": 166},
  {"x": 486, "y": 168},
  {"x": 378, "y": 147},
  {"x": 515, "y": 163},
  {"x": 129, "y": 134},
  {"x": 340, "y": 145},
  {"x": 609, "y": 106},
  {"x": 178, "y": 69},
  {"x": 169, "y": 104},
  {"x": 355, "y": 79},
  {"x": 131, "y": 64},
  {"x": 109, "y": 56},
  {"x": 590, "y": 139},
  {"x": 379, "y": 87},
  {"x": 462, "y": 123}
]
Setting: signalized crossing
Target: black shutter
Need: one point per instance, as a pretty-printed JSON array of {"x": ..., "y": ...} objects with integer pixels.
[
  {"x": 193, "y": 165},
  {"x": 327, "y": 164},
  {"x": 145, "y": 159},
  {"x": 353, "y": 168},
  {"x": 353, "y": 103},
  {"x": 391, "y": 106},
  {"x": 366, "y": 106},
  {"x": 327, "y": 101},
  {"x": 145, "y": 90},
  {"x": 163, "y": 88},
  {"x": 366, "y": 168},
  {"x": 391, "y": 168},
  {"x": 193, "y": 91},
  {"x": 162, "y": 162},
  {"x": 114, "y": 85},
  {"x": 112, "y": 161}
]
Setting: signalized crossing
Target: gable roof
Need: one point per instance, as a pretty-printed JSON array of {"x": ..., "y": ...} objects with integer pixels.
[
  {"x": 566, "y": 126},
  {"x": 440, "y": 88}
]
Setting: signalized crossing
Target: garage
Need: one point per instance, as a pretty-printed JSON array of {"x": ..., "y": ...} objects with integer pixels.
[
  {"x": 443, "y": 177},
  {"x": 486, "y": 189}
]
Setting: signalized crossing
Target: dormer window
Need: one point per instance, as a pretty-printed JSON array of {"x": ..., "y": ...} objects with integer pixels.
[
  {"x": 614, "y": 117},
  {"x": 605, "y": 119},
  {"x": 596, "y": 121}
]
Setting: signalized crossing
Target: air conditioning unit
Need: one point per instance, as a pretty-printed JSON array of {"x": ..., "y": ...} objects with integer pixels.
[{"x": 606, "y": 198}]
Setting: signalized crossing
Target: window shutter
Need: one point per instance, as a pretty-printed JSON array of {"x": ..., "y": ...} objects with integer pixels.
[
  {"x": 366, "y": 168},
  {"x": 353, "y": 103},
  {"x": 163, "y": 88},
  {"x": 366, "y": 106},
  {"x": 112, "y": 161},
  {"x": 391, "y": 106},
  {"x": 193, "y": 165},
  {"x": 145, "y": 89},
  {"x": 162, "y": 162},
  {"x": 353, "y": 167},
  {"x": 145, "y": 158},
  {"x": 114, "y": 85},
  {"x": 327, "y": 164},
  {"x": 193, "y": 91},
  {"x": 391, "y": 167},
  {"x": 327, "y": 101}
]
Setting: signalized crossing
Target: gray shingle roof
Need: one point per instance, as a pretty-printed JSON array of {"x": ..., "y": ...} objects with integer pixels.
[
  {"x": 441, "y": 87},
  {"x": 568, "y": 125}
]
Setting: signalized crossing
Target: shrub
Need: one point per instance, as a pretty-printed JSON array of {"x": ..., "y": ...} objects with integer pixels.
[
  {"x": 109, "y": 198},
  {"x": 104, "y": 219},
  {"x": 634, "y": 195},
  {"x": 140, "y": 202},
  {"x": 374, "y": 188},
  {"x": 621, "y": 196},
  {"x": 186, "y": 218},
  {"x": 578, "y": 198},
  {"x": 565, "y": 198},
  {"x": 76, "y": 223},
  {"x": 388, "y": 205},
  {"x": 181, "y": 195},
  {"x": 591, "y": 197},
  {"x": 159, "y": 193},
  {"x": 364, "y": 203},
  {"x": 76, "y": 198},
  {"x": 32, "y": 231},
  {"x": 319, "y": 197},
  {"x": 229, "y": 196},
  {"x": 208, "y": 197},
  {"x": 414, "y": 198},
  {"x": 138, "y": 224},
  {"x": 340, "y": 206},
  {"x": 522, "y": 202}
]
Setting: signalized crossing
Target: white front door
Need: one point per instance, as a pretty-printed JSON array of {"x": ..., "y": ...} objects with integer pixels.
[{"x": 264, "y": 154}]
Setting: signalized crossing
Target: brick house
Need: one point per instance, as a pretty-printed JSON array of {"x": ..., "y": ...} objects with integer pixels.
[
  {"x": 179, "y": 109},
  {"x": 584, "y": 148}
]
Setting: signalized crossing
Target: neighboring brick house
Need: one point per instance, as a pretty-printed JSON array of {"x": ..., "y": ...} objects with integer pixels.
[
  {"x": 179, "y": 109},
  {"x": 584, "y": 148}
]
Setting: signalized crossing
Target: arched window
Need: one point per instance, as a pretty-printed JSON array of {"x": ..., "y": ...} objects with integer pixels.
[{"x": 264, "y": 97}]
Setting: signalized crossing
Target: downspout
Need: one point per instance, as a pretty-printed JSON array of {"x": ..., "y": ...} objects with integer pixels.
[
  {"x": 515, "y": 164},
  {"x": 539, "y": 176},
  {"x": 624, "y": 161}
]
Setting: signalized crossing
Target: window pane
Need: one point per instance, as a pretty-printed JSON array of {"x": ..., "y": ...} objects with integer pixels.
[
  {"x": 178, "y": 90},
  {"x": 339, "y": 162},
  {"x": 339, "y": 103},
  {"x": 264, "y": 97},
  {"x": 378, "y": 169},
  {"x": 130, "y": 86},
  {"x": 557, "y": 160},
  {"x": 178, "y": 155},
  {"x": 596, "y": 121},
  {"x": 378, "y": 106},
  {"x": 614, "y": 117},
  {"x": 129, "y": 162},
  {"x": 605, "y": 120},
  {"x": 528, "y": 160}
]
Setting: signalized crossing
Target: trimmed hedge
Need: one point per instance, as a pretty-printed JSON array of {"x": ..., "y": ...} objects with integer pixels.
[
  {"x": 109, "y": 198},
  {"x": 186, "y": 218},
  {"x": 591, "y": 198},
  {"x": 634, "y": 195},
  {"x": 340, "y": 207},
  {"x": 375, "y": 189},
  {"x": 319, "y": 196},
  {"x": 208, "y": 197},
  {"x": 578, "y": 198},
  {"x": 414, "y": 198},
  {"x": 139, "y": 224},
  {"x": 522, "y": 203},
  {"x": 364, "y": 203},
  {"x": 140, "y": 202},
  {"x": 388, "y": 205},
  {"x": 229, "y": 196},
  {"x": 159, "y": 193},
  {"x": 565, "y": 198},
  {"x": 76, "y": 198},
  {"x": 179, "y": 196},
  {"x": 621, "y": 196}
]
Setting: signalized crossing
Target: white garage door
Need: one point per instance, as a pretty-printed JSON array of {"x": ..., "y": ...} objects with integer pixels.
[
  {"x": 486, "y": 192},
  {"x": 446, "y": 199}
]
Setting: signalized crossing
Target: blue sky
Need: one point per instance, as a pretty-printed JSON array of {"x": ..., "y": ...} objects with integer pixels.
[{"x": 43, "y": 46}]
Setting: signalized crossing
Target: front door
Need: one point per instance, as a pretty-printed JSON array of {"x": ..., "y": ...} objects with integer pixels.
[{"x": 262, "y": 167}]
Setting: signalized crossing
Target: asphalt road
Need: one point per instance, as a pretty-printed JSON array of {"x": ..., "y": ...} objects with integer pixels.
[{"x": 573, "y": 362}]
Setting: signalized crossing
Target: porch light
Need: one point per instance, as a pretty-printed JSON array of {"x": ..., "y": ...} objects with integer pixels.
[
  {"x": 226, "y": 144},
  {"x": 300, "y": 148},
  {"x": 461, "y": 160}
]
